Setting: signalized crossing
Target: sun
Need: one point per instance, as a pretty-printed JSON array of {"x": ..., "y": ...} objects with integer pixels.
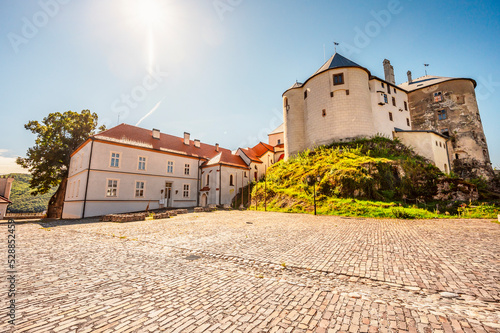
[{"x": 149, "y": 12}]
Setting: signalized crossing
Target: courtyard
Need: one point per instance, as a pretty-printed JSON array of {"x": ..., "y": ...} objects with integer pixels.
[{"x": 248, "y": 271}]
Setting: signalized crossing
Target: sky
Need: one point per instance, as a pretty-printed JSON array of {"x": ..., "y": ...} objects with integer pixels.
[{"x": 218, "y": 68}]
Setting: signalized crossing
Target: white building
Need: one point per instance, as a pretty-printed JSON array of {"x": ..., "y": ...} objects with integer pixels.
[
  {"x": 129, "y": 169},
  {"x": 343, "y": 101}
]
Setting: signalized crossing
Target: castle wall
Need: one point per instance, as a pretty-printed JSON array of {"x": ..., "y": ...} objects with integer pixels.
[
  {"x": 428, "y": 145},
  {"x": 457, "y": 113},
  {"x": 346, "y": 115},
  {"x": 383, "y": 112}
]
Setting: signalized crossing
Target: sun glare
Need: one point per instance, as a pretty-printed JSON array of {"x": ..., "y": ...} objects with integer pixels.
[{"x": 149, "y": 12}]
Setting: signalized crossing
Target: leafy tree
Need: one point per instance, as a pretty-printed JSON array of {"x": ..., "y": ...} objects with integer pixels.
[{"x": 58, "y": 135}]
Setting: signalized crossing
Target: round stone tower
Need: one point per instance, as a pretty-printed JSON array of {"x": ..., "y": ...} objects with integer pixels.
[
  {"x": 449, "y": 106},
  {"x": 334, "y": 104}
]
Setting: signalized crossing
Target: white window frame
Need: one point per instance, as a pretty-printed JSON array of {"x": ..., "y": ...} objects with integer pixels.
[
  {"x": 173, "y": 164},
  {"x": 187, "y": 169},
  {"x": 143, "y": 189},
  {"x": 139, "y": 163},
  {"x": 184, "y": 191},
  {"x": 108, "y": 188},
  {"x": 115, "y": 158}
]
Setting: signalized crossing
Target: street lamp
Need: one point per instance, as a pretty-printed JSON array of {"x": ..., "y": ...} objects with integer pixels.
[{"x": 314, "y": 180}]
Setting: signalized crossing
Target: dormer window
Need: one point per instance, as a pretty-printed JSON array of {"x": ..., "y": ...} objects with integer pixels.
[{"x": 338, "y": 79}]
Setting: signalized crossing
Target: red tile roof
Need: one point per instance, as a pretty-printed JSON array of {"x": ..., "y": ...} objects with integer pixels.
[
  {"x": 143, "y": 138},
  {"x": 261, "y": 148},
  {"x": 251, "y": 155}
]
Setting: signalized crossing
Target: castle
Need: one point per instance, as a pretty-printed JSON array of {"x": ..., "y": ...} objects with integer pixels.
[
  {"x": 127, "y": 168},
  {"x": 437, "y": 116}
]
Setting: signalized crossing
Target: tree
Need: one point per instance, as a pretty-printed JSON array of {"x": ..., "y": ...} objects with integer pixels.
[{"x": 58, "y": 135}]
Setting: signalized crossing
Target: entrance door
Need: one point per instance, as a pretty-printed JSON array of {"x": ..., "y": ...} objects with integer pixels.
[
  {"x": 204, "y": 200},
  {"x": 168, "y": 194}
]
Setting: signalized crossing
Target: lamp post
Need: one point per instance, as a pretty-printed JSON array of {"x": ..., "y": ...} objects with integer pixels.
[{"x": 314, "y": 180}]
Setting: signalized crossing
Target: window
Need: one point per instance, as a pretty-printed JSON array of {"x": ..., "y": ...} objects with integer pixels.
[
  {"x": 393, "y": 101},
  {"x": 383, "y": 86},
  {"x": 245, "y": 175},
  {"x": 390, "y": 116},
  {"x": 445, "y": 131},
  {"x": 436, "y": 143},
  {"x": 112, "y": 190},
  {"x": 305, "y": 94},
  {"x": 115, "y": 160},
  {"x": 385, "y": 99},
  {"x": 408, "y": 121},
  {"x": 347, "y": 92},
  {"x": 170, "y": 166},
  {"x": 406, "y": 106},
  {"x": 323, "y": 113},
  {"x": 338, "y": 79},
  {"x": 395, "y": 91},
  {"x": 331, "y": 93},
  {"x": 142, "y": 163},
  {"x": 139, "y": 189},
  {"x": 186, "y": 169},
  {"x": 78, "y": 188},
  {"x": 231, "y": 181},
  {"x": 442, "y": 114},
  {"x": 185, "y": 192},
  {"x": 457, "y": 156},
  {"x": 440, "y": 144},
  {"x": 388, "y": 89},
  {"x": 438, "y": 96},
  {"x": 208, "y": 180},
  {"x": 279, "y": 141}
]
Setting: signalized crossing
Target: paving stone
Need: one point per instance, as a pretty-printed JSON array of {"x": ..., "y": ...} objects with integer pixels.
[{"x": 284, "y": 272}]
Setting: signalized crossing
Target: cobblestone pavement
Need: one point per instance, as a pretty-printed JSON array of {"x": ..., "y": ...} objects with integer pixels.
[{"x": 256, "y": 272}]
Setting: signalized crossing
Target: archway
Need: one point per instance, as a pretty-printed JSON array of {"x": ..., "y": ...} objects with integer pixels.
[{"x": 204, "y": 200}]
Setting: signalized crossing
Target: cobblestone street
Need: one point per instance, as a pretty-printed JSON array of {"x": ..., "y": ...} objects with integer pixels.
[{"x": 232, "y": 271}]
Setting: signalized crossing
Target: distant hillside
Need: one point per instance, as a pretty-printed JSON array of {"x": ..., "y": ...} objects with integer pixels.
[{"x": 22, "y": 200}]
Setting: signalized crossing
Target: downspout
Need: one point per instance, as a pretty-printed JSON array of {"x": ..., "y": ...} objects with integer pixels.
[
  {"x": 88, "y": 176},
  {"x": 220, "y": 183},
  {"x": 448, "y": 155},
  {"x": 199, "y": 187}
]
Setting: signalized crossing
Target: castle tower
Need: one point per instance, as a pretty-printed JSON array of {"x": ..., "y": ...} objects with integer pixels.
[
  {"x": 334, "y": 104},
  {"x": 448, "y": 106}
]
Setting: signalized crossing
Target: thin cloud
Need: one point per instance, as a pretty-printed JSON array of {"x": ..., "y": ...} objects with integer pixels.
[{"x": 150, "y": 112}]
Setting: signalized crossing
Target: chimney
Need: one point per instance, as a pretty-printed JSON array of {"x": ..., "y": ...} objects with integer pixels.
[
  {"x": 197, "y": 143},
  {"x": 409, "y": 77},
  {"x": 389, "y": 72},
  {"x": 186, "y": 138},
  {"x": 216, "y": 147},
  {"x": 156, "y": 133}
]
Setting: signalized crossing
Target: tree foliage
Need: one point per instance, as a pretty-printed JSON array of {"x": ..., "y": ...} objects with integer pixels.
[{"x": 57, "y": 136}]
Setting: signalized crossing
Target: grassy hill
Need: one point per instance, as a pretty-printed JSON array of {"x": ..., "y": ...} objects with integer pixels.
[
  {"x": 369, "y": 177},
  {"x": 22, "y": 200}
]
